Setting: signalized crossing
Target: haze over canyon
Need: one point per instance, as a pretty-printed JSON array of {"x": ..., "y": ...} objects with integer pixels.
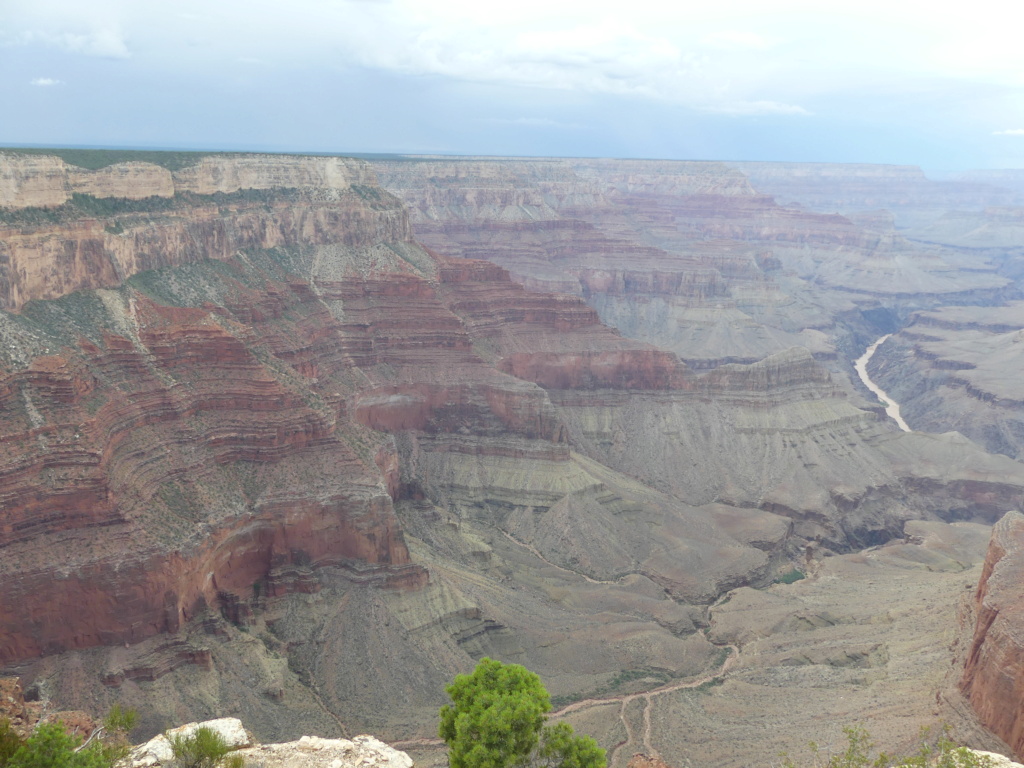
[{"x": 297, "y": 439}]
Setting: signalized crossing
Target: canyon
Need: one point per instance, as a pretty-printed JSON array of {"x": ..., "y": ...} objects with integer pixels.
[{"x": 298, "y": 439}]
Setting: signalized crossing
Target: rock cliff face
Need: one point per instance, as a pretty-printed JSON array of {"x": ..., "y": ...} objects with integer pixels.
[
  {"x": 39, "y": 181},
  {"x": 50, "y": 261},
  {"x": 992, "y": 674}
]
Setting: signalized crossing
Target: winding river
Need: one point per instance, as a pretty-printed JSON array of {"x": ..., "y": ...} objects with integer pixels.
[{"x": 892, "y": 408}]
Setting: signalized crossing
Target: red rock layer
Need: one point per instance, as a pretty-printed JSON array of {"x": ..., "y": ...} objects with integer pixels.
[
  {"x": 993, "y": 678},
  {"x": 189, "y": 457},
  {"x": 194, "y": 456},
  {"x": 130, "y": 454}
]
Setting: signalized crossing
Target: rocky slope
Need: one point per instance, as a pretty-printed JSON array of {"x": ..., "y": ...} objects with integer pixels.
[{"x": 265, "y": 454}]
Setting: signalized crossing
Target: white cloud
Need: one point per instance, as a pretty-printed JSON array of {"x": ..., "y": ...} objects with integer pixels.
[
  {"x": 1009, "y": 132},
  {"x": 737, "y": 40},
  {"x": 756, "y": 108},
  {"x": 606, "y": 57},
  {"x": 45, "y": 81},
  {"x": 104, "y": 43}
]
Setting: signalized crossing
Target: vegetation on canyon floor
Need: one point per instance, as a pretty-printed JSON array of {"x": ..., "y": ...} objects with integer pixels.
[
  {"x": 932, "y": 752},
  {"x": 497, "y": 720},
  {"x": 51, "y": 746}
]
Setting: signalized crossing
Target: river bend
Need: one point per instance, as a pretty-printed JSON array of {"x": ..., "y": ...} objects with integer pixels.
[{"x": 892, "y": 408}]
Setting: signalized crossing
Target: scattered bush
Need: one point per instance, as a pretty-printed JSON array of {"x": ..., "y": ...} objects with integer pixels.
[
  {"x": 790, "y": 576},
  {"x": 204, "y": 748},
  {"x": 50, "y": 746},
  {"x": 940, "y": 752}
]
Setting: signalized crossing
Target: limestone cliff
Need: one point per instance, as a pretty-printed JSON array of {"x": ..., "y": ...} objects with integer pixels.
[
  {"x": 41, "y": 181},
  {"x": 99, "y": 247},
  {"x": 308, "y": 752}
]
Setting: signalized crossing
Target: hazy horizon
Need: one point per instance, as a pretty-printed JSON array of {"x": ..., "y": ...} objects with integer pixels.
[{"x": 867, "y": 82}]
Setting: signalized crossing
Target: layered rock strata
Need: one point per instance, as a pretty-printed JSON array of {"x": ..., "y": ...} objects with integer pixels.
[
  {"x": 688, "y": 256},
  {"x": 849, "y": 187},
  {"x": 41, "y": 181},
  {"x": 286, "y": 445}
]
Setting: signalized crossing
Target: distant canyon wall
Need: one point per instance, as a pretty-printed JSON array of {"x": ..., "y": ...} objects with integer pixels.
[
  {"x": 48, "y": 260},
  {"x": 44, "y": 181},
  {"x": 959, "y": 368}
]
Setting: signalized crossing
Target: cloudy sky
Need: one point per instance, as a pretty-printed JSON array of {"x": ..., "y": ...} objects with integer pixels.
[{"x": 893, "y": 81}]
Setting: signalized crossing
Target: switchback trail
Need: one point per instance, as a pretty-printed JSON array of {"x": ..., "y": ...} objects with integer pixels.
[
  {"x": 624, "y": 700},
  {"x": 647, "y": 696},
  {"x": 533, "y": 551}
]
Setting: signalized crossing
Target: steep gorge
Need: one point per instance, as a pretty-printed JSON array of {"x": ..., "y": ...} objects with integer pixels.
[{"x": 306, "y": 468}]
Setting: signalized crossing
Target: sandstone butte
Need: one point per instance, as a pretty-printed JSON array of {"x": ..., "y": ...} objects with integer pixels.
[{"x": 257, "y": 442}]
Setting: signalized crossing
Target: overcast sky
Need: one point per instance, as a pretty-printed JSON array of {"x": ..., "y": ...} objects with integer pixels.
[{"x": 894, "y": 81}]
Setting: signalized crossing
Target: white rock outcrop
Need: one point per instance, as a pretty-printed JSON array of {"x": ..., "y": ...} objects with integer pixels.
[
  {"x": 314, "y": 752},
  {"x": 998, "y": 761},
  {"x": 157, "y": 751},
  {"x": 307, "y": 752}
]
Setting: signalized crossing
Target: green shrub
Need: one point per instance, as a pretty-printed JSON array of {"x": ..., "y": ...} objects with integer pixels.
[
  {"x": 790, "y": 576},
  {"x": 940, "y": 752},
  {"x": 50, "y": 746},
  {"x": 205, "y": 748},
  {"x": 10, "y": 741},
  {"x": 496, "y": 720}
]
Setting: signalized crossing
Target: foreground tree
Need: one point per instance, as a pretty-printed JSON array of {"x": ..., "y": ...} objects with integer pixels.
[{"x": 497, "y": 720}]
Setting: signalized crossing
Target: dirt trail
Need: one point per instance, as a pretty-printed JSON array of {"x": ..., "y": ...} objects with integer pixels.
[
  {"x": 647, "y": 696},
  {"x": 533, "y": 551},
  {"x": 624, "y": 699}
]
